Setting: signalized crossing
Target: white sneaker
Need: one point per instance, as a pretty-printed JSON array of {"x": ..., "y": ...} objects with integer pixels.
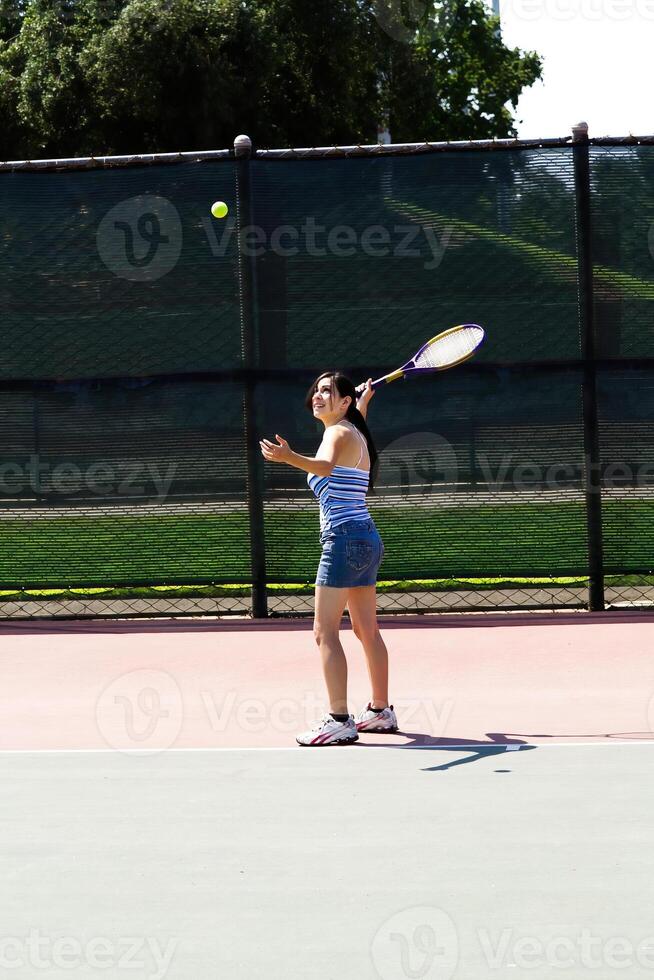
[
  {"x": 330, "y": 732},
  {"x": 376, "y": 721}
]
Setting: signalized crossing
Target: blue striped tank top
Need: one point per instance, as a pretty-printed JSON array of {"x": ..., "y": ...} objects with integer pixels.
[{"x": 342, "y": 495}]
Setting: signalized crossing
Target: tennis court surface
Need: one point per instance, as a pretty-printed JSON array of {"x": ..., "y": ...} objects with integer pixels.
[{"x": 159, "y": 821}]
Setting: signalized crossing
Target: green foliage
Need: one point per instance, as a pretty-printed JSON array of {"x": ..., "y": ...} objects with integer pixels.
[
  {"x": 10, "y": 18},
  {"x": 455, "y": 80},
  {"x": 165, "y": 76},
  {"x": 320, "y": 80},
  {"x": 46, "y": 102},
  {"x": 124, "y": 76}
]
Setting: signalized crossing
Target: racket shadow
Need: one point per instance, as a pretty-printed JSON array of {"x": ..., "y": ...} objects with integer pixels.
[
  {"x": 482, "y": 751},
  {"x": 497, "y": 744}
]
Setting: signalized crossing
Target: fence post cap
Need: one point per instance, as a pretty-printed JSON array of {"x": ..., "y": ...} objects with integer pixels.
[{"x": 243, "y": 146}]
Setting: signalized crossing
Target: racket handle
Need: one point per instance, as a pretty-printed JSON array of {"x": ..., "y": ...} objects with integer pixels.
[{"x": 386, "y": 380}]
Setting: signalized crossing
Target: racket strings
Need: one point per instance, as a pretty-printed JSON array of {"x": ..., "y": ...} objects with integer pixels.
[{"x": 448, "y": 350}]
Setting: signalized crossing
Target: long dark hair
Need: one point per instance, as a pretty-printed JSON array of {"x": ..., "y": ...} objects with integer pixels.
[{"x": 345, "y": 387}]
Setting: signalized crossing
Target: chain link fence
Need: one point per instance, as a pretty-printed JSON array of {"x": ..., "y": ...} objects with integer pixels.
[{"x": 148, "y": 346}]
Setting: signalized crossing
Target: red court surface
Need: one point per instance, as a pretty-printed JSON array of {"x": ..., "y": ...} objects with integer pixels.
[{"x": 478, "y": 681}]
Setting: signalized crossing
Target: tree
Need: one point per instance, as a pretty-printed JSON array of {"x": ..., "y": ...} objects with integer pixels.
[
  {"x": 46, "y": 104},
  {"x": 455, "y": 80},
  {"x": 125, "y": 76},
  {"x": 11, "y": 12}
]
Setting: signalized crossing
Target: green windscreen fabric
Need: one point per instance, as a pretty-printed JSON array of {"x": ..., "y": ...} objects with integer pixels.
[
  {"x": 622, "y": 198},
  {"x": 481, "y": 470},
  {"x": 117, "y": 465},
  {"x": 388, "y": 252},
  {"x": 130, "y": 482},
  {"x": 119, "y": 272},
  {"x": 123, "y": 442}
]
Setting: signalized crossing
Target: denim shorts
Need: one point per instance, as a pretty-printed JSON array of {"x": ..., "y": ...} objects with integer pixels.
[{"x": 351, "y": 555}]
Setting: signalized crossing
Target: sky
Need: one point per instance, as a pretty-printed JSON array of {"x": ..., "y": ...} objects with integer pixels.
[{"x": 597, "y": 65}]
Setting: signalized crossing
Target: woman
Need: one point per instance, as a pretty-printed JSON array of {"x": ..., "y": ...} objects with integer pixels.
[{"x": 352, "y": 550}]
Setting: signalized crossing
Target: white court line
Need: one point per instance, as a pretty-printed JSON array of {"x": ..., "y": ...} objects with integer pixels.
[{"x": 296, "y": 748}]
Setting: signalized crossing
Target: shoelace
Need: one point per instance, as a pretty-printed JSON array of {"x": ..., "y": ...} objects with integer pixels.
[{"x": 326, "y": 720}]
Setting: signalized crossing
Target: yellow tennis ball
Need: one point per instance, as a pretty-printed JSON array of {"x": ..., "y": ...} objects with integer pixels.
[{"x": 219, "y": 209}]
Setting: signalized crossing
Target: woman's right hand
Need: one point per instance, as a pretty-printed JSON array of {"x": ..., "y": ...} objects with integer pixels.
[{"x": 364, "y": 392}]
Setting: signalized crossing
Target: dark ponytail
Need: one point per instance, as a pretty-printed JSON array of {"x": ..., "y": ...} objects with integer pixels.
[{"x": 346, "y": 387}]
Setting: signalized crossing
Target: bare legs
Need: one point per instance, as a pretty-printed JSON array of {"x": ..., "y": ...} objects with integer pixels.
[
  {"x": 362, "y": 605},
  {"x": 330, "y": 604}
]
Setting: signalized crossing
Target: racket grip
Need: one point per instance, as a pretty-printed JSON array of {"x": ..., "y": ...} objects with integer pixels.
[{"x": 386, "y": 380}]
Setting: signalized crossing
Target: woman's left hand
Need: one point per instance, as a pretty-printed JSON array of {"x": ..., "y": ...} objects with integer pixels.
[{"x": 280, "y": 453}]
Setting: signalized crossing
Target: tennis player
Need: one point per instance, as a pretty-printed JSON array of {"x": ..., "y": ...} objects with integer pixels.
[{"x": 352, "y": 550}]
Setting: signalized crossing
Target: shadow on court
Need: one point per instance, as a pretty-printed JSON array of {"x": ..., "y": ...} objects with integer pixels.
[
  {"x": 482, "y": 751},
  {"x": 498, "y": 744}
]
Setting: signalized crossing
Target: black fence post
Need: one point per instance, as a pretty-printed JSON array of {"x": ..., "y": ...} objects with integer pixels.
[
  {"x": 592, "y": 459},
  {"x": 249, "y": 352}
]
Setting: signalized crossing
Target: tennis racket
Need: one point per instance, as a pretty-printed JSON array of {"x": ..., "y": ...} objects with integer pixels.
[{"x": 452, "y": 347}]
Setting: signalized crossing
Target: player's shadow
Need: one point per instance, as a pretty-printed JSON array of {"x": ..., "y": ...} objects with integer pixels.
[{"x": 498, "y": 744}]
